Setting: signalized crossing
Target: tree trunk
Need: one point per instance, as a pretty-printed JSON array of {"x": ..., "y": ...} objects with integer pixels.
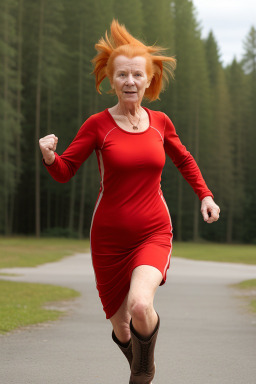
[
  {"x": 179, "y": 211},
  {"x": 5, "y": 127},
  {"x": 196, "y": 219},
  {"x": 38, "y": 110},
  {"x": 20, "y": 32},
  {"x": 14, "y": 202},
  {"x": 82, "y": 201},
  {"x": 196, "y": 154},
  {"x": 229, "y": 226},
  {"x": 80, "y": 97},
  {"x": 49, "y": 123},
  {"x": 230, "y": 217},
  {"x": 72, "y": 205}
]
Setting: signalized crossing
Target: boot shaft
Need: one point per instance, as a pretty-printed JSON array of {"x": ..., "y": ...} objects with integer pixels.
[
  {"x": 126, "y": 349},
  {"x": 143, "y": 363}
]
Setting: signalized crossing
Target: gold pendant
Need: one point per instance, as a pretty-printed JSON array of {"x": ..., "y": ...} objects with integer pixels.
[{"x": 134, "y": 127}]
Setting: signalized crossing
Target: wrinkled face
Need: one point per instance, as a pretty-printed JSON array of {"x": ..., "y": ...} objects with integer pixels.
[{"x": 130, "y": 78}]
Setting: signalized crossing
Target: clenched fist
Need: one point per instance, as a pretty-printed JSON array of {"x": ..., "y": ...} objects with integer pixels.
[
  {"x": 48, "y": 145},
  {"x": 210, "y": 210}
]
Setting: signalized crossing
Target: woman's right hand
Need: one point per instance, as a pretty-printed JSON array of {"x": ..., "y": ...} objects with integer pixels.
[{"x": 48, "y": 145}]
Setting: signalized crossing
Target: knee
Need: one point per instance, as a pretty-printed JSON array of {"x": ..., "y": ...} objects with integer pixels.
[{"x": 140, "y": 309}]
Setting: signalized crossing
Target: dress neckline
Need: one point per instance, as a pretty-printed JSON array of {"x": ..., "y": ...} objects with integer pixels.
[{"x": 129, "y": 132}]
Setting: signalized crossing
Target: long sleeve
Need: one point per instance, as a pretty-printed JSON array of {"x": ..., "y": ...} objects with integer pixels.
[
  {"x": 184, "y": 161},
  {"x": 66, "y": 165}
]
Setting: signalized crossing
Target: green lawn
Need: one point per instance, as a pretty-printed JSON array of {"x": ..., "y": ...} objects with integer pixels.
[
  {"x": 216, "y": 252},
  {"x": 30, "y": 252},
  {"x": 247, "y": 284},
  {"x": 22, "y": 304}
]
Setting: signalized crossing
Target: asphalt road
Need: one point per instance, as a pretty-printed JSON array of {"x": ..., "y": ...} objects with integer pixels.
[{"x": 207, "y": 334}]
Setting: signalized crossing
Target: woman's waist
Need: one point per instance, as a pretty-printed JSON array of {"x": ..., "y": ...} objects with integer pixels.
[
  {"x": 132, "y": 217},
  {"x": 116, "y": 233}
]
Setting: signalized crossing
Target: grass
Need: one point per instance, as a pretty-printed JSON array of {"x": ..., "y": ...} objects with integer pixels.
[
  {"x": 247, "y": 284},
  {"x": 21, "y": 304},
  {"x": 30, "y": 252},
  {"x": 249, "y": 288},
  {"x": 9, "y": 274},
  {"x": 230, "y": 253}
]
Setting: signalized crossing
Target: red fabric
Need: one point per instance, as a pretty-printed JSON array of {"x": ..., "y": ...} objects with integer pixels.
[{"x": 131, "y": 225}]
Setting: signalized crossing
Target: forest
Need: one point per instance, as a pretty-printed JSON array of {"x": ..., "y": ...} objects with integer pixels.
[{"x": 46, "y": 86}]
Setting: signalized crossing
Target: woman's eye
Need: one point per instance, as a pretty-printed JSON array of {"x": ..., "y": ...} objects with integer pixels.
[{"x": 138, "y": 74}]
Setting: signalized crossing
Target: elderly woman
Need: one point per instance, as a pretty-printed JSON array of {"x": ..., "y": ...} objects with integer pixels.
[{"x": 131, "y": 229}]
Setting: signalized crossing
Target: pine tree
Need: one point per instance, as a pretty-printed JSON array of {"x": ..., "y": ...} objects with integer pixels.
[
  {"x": 249, "y": 57},
  {"x": 9, "y": 118},
  {"x": 189, "y": 109},
  {"x": 199, "y": 134},
  {"x": 19, "y": 17},
  {"x": 86, "y": 23},
  {"x": 219, "y": 147},
  {"x": 49, "y": 51},
  {"x": 130, "y": 14},
  {"x": 238, "y": 98},
  {"x": 184, "y": 38},
  {"x": 249, "y": 65},
  {"x": 159, "y": 30}
]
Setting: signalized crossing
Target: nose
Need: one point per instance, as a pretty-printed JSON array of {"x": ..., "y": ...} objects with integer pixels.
[{"x": 130, "y": 80}]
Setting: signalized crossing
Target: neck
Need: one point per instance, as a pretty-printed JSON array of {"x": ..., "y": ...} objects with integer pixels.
[{"x": 129, "y": 109}]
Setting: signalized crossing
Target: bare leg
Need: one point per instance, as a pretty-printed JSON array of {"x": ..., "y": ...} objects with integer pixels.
[
  {"x": 145, "y": 322},
  {"x": 138, "y": 304},
  {"x": 144, "y": 282},
  {"x": 121, "y": 323},
  {"x": 136, "y": 324}
]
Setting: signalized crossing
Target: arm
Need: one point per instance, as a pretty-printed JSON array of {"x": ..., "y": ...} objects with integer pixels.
[
  {"x": 189, "y": 169},
  {"x": 63, "y": 167}
]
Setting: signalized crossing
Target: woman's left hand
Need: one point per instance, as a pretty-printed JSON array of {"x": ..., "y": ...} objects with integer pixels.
[{"x": 210, "y": 210}]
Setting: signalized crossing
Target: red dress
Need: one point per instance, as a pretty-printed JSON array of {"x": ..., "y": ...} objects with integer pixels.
[{"x": 131, "y": 224}]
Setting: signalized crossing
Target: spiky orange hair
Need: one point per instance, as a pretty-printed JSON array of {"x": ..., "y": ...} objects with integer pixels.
[{"x": 121, "y": 42}]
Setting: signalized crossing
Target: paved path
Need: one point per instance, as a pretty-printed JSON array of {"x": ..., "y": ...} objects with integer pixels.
[{"x": 207, "y": 335}]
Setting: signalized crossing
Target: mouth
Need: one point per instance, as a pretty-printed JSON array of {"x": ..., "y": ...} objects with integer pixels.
[{"x": 130, "y": 92}]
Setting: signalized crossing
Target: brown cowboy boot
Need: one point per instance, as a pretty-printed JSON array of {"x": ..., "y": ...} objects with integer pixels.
[
  {"x": 125, "y": 348},
  {"x": 143, "y": 363}
]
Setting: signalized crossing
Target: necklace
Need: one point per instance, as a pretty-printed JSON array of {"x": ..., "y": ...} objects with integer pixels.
[{"x": 135, "y": 127}]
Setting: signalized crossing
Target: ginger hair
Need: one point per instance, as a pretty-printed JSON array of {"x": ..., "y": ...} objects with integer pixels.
[{"x": 121, "y": 42}]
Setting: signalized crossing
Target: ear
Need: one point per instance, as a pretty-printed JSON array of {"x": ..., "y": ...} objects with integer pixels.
[{"x": 148, "y": 83}]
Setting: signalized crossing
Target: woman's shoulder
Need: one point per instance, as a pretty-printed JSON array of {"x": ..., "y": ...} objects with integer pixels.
[
  {"x": 156, "y": 113},
  {"x": 98, "y": 116},
  {"x": 95, "y": 120},
  {"x": 156, "y": 117},
  {"x": 99, "y": 124}
]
